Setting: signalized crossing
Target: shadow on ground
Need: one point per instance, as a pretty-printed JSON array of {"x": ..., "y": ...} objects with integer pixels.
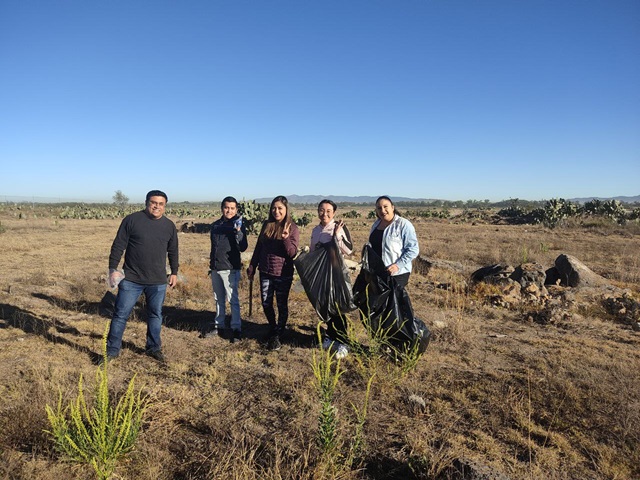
[
  {"x": 186, "y": 320},
  {"x": 28, "y": 322}
]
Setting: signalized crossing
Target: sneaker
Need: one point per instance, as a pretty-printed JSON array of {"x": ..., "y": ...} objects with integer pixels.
[
  {"x": 341, "y": 351},
  {"x": 158, "y": 355},
  {"x": 274, "y": 343},
  {"x": 326, "y": 343},
  {"x": 236, "y": 335},
  {"x": 215, "y": 332}
]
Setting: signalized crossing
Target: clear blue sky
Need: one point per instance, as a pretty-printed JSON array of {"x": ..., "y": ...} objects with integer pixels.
[{"x": 439, "y": 99}]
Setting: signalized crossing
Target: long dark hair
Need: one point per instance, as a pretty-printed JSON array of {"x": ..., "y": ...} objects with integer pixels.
[
  {"x": 272, "y": 228},
  {"x": 384, "y": 197}
]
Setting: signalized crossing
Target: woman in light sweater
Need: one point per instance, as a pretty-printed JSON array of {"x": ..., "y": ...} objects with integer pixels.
[{"x": 323, "y": 233}]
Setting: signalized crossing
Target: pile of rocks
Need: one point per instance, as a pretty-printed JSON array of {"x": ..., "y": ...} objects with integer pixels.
[
  {"x": 552, "y": 292},
  {"x": 524, "y": 283},
  {"x": 624, "y": 307},
  {"x": 528, "y": 282}
]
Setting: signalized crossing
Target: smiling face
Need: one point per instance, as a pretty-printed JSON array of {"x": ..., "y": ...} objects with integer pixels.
[
  {"x": 156, "y": 206},
  {"x": 279, "y": 211},
  {"x": 325, "y": 213},
  {"x": 385, "y": 210},
  {"x": 229, "y": 210}
]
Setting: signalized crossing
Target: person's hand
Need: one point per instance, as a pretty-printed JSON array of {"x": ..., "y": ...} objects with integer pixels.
[
  {"x": 392, "y": 269},
  {"x": 250, "y": 272},
  {"x": 338, "y": 227},
  {"x": 173, "y": 280},
  {"x": 114, "y": 278},
  {"x": 286, "y": 231}
]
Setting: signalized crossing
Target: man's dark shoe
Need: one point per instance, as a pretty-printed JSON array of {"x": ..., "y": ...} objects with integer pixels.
[
  {"x": 109, "y": 359},
  {"x": 274, "y": 343},
  {"x": 236, "y": 335},
  {"x": 158, "y": 355}
]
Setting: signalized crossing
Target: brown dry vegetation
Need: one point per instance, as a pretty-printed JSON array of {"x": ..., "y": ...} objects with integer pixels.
[{"x": 527, "y": 400}]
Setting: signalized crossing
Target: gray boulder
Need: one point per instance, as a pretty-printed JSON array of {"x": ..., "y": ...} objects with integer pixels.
[{"x": 573, "y": 273}]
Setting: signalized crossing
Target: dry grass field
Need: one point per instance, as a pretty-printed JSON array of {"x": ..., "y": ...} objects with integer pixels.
[{"x": 496, "y": 395}]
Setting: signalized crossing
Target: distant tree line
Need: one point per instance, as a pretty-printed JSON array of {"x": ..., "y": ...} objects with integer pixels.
[{"x": 550, "y": 213}]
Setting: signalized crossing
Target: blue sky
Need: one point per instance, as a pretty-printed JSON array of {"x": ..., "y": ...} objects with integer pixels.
[{"x": 439, "y": 99}]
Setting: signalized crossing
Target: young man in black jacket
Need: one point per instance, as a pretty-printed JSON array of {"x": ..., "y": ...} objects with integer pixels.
[{"x": 228, "y": 240}]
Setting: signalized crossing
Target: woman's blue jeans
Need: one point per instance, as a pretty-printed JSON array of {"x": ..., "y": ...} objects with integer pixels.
[{"x": 128, "y": 294}]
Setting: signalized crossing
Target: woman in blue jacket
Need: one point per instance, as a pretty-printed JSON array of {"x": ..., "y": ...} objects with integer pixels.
[
  {"x": 394, "y": 239},
  {"x": 379, "y": 291}
]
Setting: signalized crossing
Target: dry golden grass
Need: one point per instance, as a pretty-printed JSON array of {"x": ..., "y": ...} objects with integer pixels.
[{"x": 558, "y": 401}]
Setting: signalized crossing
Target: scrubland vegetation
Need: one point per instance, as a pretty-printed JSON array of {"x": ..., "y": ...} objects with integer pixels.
[{"x": 498, "y": 392}]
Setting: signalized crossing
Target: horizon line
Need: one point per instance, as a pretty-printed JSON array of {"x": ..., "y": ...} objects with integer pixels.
[{"x": 346, "y": 199}]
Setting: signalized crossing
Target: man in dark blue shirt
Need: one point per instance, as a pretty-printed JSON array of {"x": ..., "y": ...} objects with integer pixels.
[{"x": 146, "y": 238}]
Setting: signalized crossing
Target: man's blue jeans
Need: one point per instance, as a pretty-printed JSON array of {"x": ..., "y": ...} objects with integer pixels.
[
  {"x": 128, "y": 294},
  {"x": 225, "y": 289}
]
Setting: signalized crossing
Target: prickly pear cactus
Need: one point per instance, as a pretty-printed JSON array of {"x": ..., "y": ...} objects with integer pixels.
[{"x": 254, "y": 214}]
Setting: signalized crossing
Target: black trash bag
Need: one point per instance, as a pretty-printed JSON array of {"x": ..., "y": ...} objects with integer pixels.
[
  {"x": 386, "y": 307},
  {"x": 325, "y": 279},
  {"x": 107, "y": 305}
]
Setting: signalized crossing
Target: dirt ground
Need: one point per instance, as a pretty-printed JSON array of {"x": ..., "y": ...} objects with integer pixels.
[{"x": 497, "y": 392}]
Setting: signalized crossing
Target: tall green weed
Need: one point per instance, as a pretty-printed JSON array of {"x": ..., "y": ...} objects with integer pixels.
[{"x": 101, "y": 434}]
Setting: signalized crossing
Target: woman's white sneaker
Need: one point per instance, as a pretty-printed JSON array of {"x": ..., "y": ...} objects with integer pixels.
[{"x": 341, "y": 351}]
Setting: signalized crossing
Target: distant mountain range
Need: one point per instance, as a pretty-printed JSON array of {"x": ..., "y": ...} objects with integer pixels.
[
  {"x": 314, "y": 199},
  {"x": 635, "y": 199}
]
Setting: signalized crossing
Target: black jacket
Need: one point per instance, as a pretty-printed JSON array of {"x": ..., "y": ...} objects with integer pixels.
[{"x": 226, "y": 245}]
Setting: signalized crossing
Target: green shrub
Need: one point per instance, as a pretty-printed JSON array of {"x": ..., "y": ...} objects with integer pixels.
[
  {"x": 327, "y": 372},
  {"x": 304, "y": 220},
  {"x": 99, "y": 436},
  {"x": 351, "y": 214}
]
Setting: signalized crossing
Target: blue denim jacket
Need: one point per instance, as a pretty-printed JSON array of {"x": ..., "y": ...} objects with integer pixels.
[{"x": 399, "y": 244}]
